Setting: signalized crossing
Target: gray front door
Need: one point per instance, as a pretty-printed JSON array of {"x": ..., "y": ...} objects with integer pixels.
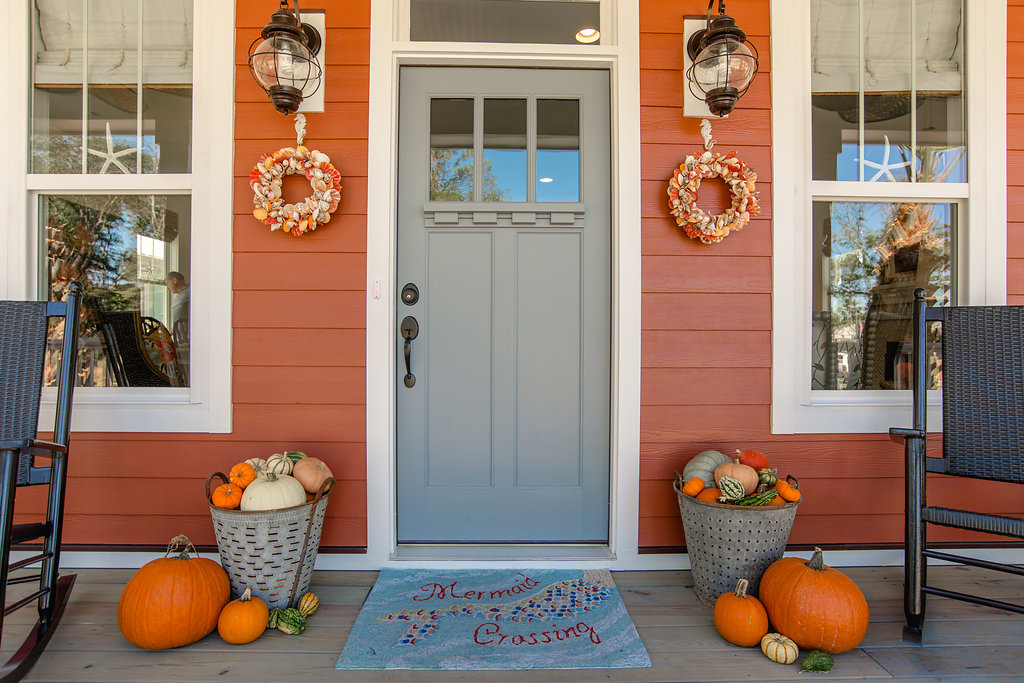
[{"x": 504, "y": 264}]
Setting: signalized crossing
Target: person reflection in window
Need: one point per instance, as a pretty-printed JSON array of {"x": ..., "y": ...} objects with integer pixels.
[{"x": 175, "y": 282}]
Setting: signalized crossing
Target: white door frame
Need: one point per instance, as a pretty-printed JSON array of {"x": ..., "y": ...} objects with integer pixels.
[{"x": 623, "y": 62}]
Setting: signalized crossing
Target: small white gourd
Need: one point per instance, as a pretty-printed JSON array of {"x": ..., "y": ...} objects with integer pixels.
[
  {"x": 258, "y": 464},
  {"x": 279, "y": 463},
  {"x": 273, "y": 492}
]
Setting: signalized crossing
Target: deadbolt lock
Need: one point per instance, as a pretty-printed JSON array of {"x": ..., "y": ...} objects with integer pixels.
[{"x": 410, "y": 294}]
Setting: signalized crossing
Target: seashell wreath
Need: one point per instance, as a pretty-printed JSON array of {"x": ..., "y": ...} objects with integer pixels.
[
  {"x": 269, "y": 172},
  {"x": 685, "y": 182}
]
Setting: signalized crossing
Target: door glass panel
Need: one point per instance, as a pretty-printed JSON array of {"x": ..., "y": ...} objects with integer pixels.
[
  {"x": 451, "y": 149},
  {"x": 506, "y": 21},
  {"x": 872, "y": 257},
  {"x": 133, "y": 254},
  {"x": 906, "y": 58},
  {"x": 504, "y": 177},
  {"x": 558, "y": 150}
]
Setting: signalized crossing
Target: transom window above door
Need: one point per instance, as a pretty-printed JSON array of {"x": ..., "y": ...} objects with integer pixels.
[
  {"x": 504, "y": 149},
  {"x": 506, "y": 21}
]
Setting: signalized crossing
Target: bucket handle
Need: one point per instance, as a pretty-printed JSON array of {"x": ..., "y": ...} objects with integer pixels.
[
  {"x": 325, "y": 488},
  {"x": 209, "y": 480}
]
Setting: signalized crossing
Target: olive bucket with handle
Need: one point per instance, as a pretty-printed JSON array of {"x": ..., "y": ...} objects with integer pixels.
[{"x": 727, "y": 543}]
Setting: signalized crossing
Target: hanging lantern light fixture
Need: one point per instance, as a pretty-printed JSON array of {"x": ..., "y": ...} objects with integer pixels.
[
  {"x": 283, "y": 59},
  {"x": 724, "y": 63}
]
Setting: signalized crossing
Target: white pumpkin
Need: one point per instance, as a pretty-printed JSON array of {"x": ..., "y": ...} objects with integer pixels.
[
  {"x": 273, "y": 492},
  {"x": 258, "y": 464},
  {"x": 279, "y": 463}
]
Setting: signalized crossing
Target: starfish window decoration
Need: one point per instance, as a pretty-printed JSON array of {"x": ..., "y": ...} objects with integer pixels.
[
  {"x": 885, "y": 168},
  {"x": 110, "y": 157}
]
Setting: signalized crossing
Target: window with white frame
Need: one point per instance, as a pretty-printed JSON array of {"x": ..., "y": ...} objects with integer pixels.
[
  {"x": 124, "y": 150},
  {"x": 890, "y": 198}
]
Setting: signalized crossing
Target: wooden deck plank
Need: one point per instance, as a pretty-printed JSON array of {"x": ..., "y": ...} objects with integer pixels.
[{"x": 962, "y": 642}]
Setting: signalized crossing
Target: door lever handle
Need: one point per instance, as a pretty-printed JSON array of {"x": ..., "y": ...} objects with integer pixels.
[{"x": 410, "y": 330}]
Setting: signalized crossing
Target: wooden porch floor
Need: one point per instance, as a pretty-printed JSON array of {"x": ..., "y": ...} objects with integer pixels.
[{"x": 962, "y": 641}]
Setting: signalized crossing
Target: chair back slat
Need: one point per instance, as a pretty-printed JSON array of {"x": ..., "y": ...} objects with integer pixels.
[
  {"x": 983, "y": 392},
  {"x": 22, "y": 354}
]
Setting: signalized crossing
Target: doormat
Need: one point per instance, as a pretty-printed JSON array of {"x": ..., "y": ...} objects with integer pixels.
[{"x": 493, "y": 619}]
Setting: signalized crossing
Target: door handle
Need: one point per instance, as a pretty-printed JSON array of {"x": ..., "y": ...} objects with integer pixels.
[{"x": 410, "y": 330}]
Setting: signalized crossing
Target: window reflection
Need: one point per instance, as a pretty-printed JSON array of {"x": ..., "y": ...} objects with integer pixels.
[
  {"x": 451, "y": 150},
  {"x": 122, "y": 248},
  {"x": 871, "y": 258},
  {"x": 504, "y": 169},
  {"x": 558, "y": 150}
]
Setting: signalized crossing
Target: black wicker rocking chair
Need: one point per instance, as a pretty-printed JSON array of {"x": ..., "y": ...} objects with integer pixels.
[
  {"x": 27, "y": 461},
  {"x": 982, "y": 375}
]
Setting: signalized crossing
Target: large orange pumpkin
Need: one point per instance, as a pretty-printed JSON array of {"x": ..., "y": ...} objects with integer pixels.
[
  {"x": 817, "y": 606},
  {"x": 174, "y": 600}
]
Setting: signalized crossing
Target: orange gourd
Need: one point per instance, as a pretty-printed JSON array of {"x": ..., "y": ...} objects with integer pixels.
[
  {"x": 755, "y": 459},
  {"x": 710, "y": 495},
  {"x": 694, "y": 486},
  {"x": 311, "y": 473},
  {"x": 817, "y": 606},
  {"x": 227, "y": 496},
  {"x": 174, "y": 600},
  {"x": 242, "y": 474},
  {"x": 243, "y": 620},
  {"x": 744, "y": 474},
  {"x": 740, "y": 618}
]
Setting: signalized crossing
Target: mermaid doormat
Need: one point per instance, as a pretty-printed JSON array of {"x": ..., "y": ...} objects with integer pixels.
[{"x": 500, "y": 619}]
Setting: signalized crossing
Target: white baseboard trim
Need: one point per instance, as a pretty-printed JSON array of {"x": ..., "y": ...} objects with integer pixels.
[{"x": 354, "y": 562}]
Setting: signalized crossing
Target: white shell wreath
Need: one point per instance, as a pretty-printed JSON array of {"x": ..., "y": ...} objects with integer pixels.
[
  {"x": 268, "y": 174},
  {"x": 685, "y": 182}
]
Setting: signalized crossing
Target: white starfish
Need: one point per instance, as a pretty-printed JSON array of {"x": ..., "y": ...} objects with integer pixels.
[
  {"x": 885, "y": 168},
  {"x": 110, "y": 156}
]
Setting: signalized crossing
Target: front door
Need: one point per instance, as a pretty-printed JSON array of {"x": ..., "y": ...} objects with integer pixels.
[{"x": 503, "y": 326}]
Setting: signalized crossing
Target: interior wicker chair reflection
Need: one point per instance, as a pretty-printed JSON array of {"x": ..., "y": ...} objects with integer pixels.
[
  {"x": 27, "y": 461},
  {"x": 982, "y": 381},
  {"x": 125, "y": 334}
]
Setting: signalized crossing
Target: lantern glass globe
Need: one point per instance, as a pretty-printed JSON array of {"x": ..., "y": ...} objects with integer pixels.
[{"x": 725, "y": 63}]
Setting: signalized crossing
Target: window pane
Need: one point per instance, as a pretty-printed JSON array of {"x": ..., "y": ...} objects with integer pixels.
[
  {"x": 451, "y": 150},
  {"x": 558, "y": 150},
  {"x": 871, "y": 258},
  {"x": 905, "y": 58},
  {"x": 133, "y": 254},
  {"x": 114, "y": 126},
  {"x": 505, "y": 21},
  {"x": 504, "y": 150}
]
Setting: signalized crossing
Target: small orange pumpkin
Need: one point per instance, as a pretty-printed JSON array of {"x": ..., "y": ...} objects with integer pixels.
[
  {"x": 710, "y": 495},
  {"x": 227, "y": 496},
  {"x": 693, "y": 487},
  {"x": 243, "y": 620},
  {"x": 817, "y": 606},
  {"x": 173, "y": 601},
  {"x": 242, "y": 474},
  {"x": 740, "y": 618}
]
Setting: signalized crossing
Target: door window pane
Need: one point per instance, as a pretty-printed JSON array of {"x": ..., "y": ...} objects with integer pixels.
[
  {"x": 894, "y": 69},
  {"x": 129, "y": 116},
  {"x": 504, "y": 172},
  {"x": 505, "y": 21},
  {"x": 451, "y": 150},
  {"x": 871, "y": 258},
  {"x": 133, "y": 254},
  {"x": 558, "y": 150}
]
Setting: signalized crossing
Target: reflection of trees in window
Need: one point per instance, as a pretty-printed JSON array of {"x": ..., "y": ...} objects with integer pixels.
[{"x": 451, "y": 177}]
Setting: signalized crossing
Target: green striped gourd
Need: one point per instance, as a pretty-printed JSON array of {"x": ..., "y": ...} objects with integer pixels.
[
  {"x": 768, "y": 477},
  {"x": 758, "y": 499},
  {"x": 291, "y": 621},
  {"x": 732, "y": 489},
  {"x": 272, "y": 619}
]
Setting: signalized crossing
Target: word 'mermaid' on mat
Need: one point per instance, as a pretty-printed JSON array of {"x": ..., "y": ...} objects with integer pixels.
[{"x": 493, "y": 619}]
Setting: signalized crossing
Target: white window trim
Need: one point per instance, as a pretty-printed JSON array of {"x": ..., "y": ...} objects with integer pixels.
[
  {"x": 982, "y": 246},
  {"x": 206, "y": 405},
  {"x": 623, "y": 61}
]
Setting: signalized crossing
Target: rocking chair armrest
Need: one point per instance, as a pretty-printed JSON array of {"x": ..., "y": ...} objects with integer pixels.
[
  {"x": 33, "y": 446},
  {"x": 900, "y": 434}
]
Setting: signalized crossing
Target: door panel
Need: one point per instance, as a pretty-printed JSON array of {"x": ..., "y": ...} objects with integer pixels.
[{"x": 504, "y": 227}]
